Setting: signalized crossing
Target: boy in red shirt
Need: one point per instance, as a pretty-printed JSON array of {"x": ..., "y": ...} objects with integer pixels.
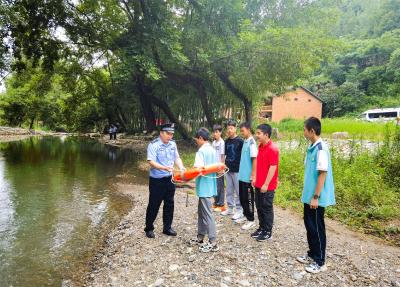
[{"x": 266, "y": 182}]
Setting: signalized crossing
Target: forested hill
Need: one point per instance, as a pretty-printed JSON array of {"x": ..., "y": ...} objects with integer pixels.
[
  {"x": 366, "y": 70},
  {"x": 81, "y": 65}
]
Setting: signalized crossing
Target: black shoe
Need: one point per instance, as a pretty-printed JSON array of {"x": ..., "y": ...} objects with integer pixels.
[
  {"x": 264, "y": 236},
  {"x": 150, "y": 234},
  {"x": 256, "y": 233},
  {"x": 170, "y": 232}
]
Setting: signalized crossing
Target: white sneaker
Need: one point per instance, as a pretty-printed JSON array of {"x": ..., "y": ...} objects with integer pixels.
[
  {"x": 248, "y": 225},
  {"x": 305, "y": 259},
  {"x": 315, "y": 268},
  {"x": 228, "y": 211},
  {"x": 237, "y": 215},
  {"x": 240, "y": 220}
]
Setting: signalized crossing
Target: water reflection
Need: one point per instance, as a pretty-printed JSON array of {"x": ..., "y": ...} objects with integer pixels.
[{"x": 55, "y": 203}]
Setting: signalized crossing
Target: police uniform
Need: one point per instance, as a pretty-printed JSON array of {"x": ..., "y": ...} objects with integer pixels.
[{"x": 160, "y": 185}]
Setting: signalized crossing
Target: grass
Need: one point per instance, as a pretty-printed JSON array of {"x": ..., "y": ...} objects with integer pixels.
[
  {"x": 355, "y": 128},
  {"x": 365, "y": 200}
]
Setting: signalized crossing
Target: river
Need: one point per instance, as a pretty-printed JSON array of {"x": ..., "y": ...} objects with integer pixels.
[{"x": 57, "y": 203}]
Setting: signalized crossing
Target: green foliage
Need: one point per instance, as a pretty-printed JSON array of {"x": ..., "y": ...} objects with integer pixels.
[
  {"x": 389, "y": 158},
  {"x": 365, "y": 199},
  {"x": 365, "y": 74}
]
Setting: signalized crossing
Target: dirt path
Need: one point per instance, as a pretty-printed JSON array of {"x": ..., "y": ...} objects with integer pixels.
[{"x": 130, "y": 259}]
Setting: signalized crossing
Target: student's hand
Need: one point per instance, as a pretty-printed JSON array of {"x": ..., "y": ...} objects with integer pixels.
[
  {"x": 252, "y": 180},
  {"x": 314, "y": 203},
  {"x": 264, "y": 189}
]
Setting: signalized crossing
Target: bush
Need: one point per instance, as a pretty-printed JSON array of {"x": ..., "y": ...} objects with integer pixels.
[
  {"x": 388, "y": 158},
  {"x": 365, "y": 198}
]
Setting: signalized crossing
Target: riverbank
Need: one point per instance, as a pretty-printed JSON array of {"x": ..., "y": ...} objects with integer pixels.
[
  {"x": 131, "y": 259},
  {"x": 9, "y": 134}
]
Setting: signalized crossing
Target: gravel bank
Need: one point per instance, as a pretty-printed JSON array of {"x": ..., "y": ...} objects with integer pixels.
[{"x": 130, "y": 259}]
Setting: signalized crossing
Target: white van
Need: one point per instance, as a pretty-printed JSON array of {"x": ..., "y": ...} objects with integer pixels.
[{"x": 389, "y": 114}]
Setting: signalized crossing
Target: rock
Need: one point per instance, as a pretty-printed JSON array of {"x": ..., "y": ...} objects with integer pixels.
[
  {"x": 173, "y": 267},
  {"x": 66, "y": 283},
  {"x": 227, "y": 279},
  {"x": 275, "y": 133},
  {"x": 244, "y": 283},
  {"x": 158, "y": 282},
  {"x": 299, "y": 275},
  {"x": 340, "y": 135},
  {"x": 192, "y": 258},
  {"x": 226, "y": 270},
  {"x": 353, "y": 277}
]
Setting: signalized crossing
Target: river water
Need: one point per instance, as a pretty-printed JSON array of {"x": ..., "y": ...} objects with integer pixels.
[{"x": 56, "y": 205}]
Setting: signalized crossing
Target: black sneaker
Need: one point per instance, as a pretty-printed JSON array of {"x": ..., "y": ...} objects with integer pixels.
[
  {"x": 264, "y": 236},
  {"x": 256, "y": 233}
]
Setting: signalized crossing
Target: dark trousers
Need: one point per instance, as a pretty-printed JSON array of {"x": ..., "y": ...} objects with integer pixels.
[
  {"x": 265, "y": 209},
  {"x": 316, "y": 236},
  {"x": 219, "y": 200},
  {"x": 111, "y": 136},
  {"x": 161, "y": 189},
  {"x": 246, "y": 195},
  {"x": 115, "y": 136}
]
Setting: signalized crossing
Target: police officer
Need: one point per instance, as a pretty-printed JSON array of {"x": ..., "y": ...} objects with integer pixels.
[{"x": 162, "y": 153}]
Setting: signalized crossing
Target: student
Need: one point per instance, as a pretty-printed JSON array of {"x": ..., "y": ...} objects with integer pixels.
[
  {"x": 247, "y": 172},
  {"x": 233, "y": 150},
  {"x": 114, "y": 132},
  {"x": 318, "y": 193},
  {"x": 219, "y": 146},
  {"x": 111, "y": 131},
  {"x": 206, "y": 188},
  {"x": 266, "y": 182}
]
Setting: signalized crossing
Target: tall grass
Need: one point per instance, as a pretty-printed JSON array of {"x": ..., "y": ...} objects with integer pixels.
[
  {"x": 355, "y": 128},
  {"x": 366, "y": 198}
]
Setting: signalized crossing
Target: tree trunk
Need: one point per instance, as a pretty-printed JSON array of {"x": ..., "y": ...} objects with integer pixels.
[
  {"x": 248, "y": 104},
  {"x": 198, "y": 84},
  {"x": 167, "y": 111},
  {"x": 121, "y": 117},
  {"x": 31, "y": 123},
  {"x": 145, "y": 102}
]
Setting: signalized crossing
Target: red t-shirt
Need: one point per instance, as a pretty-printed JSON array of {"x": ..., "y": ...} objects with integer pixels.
[{"x": 267, "y": 155}]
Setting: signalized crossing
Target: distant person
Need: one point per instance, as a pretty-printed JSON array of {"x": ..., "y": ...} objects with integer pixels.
[
  {"x": 247, "y": 174},
  {"x": 318, "y": 193},
  {"x": 233, "y": 150},
  {"x": 111, "y": 131},
  {"x": 266, "y": 182},
  {"x": 206, "y": 189},
  {"x": 162, "y": 153},
  {"x": 115, "y": 130},
  {"x": 219, "y": 146}
]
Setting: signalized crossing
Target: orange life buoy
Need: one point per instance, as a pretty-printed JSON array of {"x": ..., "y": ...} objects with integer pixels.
[{"x": 195, "y": 172}]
